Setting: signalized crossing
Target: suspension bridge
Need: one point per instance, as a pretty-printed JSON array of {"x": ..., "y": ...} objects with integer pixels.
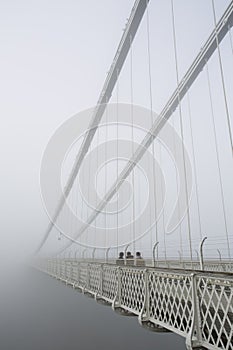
[{"x": 143, "y": 219}]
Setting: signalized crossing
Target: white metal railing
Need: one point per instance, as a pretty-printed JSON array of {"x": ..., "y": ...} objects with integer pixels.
[
  {"x": 208, "y": 265},
  {"x": 196, "y": 305}
]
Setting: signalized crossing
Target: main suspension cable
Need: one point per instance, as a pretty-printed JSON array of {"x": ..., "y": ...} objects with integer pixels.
[
  {"x": 223, "y": 80},
  {"x": 230, "y": 37}
]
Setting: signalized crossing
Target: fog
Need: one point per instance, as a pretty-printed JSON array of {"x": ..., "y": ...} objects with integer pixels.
[{"x": 54, "y": 59}]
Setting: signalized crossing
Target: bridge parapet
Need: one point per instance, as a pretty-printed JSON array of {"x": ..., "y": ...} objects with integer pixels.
[{"x": 196, "y": 305}]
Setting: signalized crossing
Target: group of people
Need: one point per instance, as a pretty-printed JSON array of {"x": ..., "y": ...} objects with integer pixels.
[
  {"x": 129, "y": 255},
  {"x": 129, "y": 259}
]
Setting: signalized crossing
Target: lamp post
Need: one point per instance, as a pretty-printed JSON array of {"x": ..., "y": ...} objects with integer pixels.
[
  {"x": 106, "y": 254},
  {"x": 153, "y": 252},
  {"x": 197, "y": 254},
  {"x": 75, "y": 255},
  {"x": 201, "y": 253},
  {"x": 93, "y": 253},
  {"x": 83, "y": 252},
  {"x": 220, "y": 255},
  {"x": 125, "y": 252}
]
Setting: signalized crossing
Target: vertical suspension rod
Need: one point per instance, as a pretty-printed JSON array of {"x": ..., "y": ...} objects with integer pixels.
[{"x": 186, "y": 82}]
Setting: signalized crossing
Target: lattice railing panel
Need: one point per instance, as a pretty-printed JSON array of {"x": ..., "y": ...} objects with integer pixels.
[
  {"x": 216, "y": 311},
  {"x": 94, "y": 277},
  {"x": 228, "y": 267},
  {"x": 68, "y": 270},
  {"x": 83, "y": 273},
  {"x": 58, "y": 269},
  {"x": 132, "y": 292},
  {"x": 170, "y": 300},
  {"x": 221, "y": 267},
  {"x": 54, "y": 267},
  {"x": 63, "y": 270},
  {"x": 109, "y": 282},
  {"x": 74, "y": 273}
]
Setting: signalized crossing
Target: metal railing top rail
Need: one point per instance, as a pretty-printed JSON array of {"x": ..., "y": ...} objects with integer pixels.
[{"x": 167, "y": 270}]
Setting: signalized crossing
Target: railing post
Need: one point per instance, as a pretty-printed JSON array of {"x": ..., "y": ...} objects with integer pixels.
[
  {"x": 71, "y": 271},
  {"x": 125, "y": 252},
  {"x": 100, "y": 291},
  {"x": 52, "y": 266},
  {"x": 69, "y": 274},
  {"x": 78, "y": 274},
  {"x": 144, "y": 314},
  {"x": 87, "y": 285},
  {"x": 57, "y": 267},
  {"x": 117, "y": 300},
  {"x": 61, "y": 267},
  {"x": 65, "y": 268},
  {"x": 195, "y": 329},
  {"x": 68, "y": 271}
]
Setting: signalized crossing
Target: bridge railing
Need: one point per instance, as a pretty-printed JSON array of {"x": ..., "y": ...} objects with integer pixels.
[
  {"x": 209, "y": 265},
  {"x": 195, "y": 305},
  {"x": 215, "y": 298}
]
